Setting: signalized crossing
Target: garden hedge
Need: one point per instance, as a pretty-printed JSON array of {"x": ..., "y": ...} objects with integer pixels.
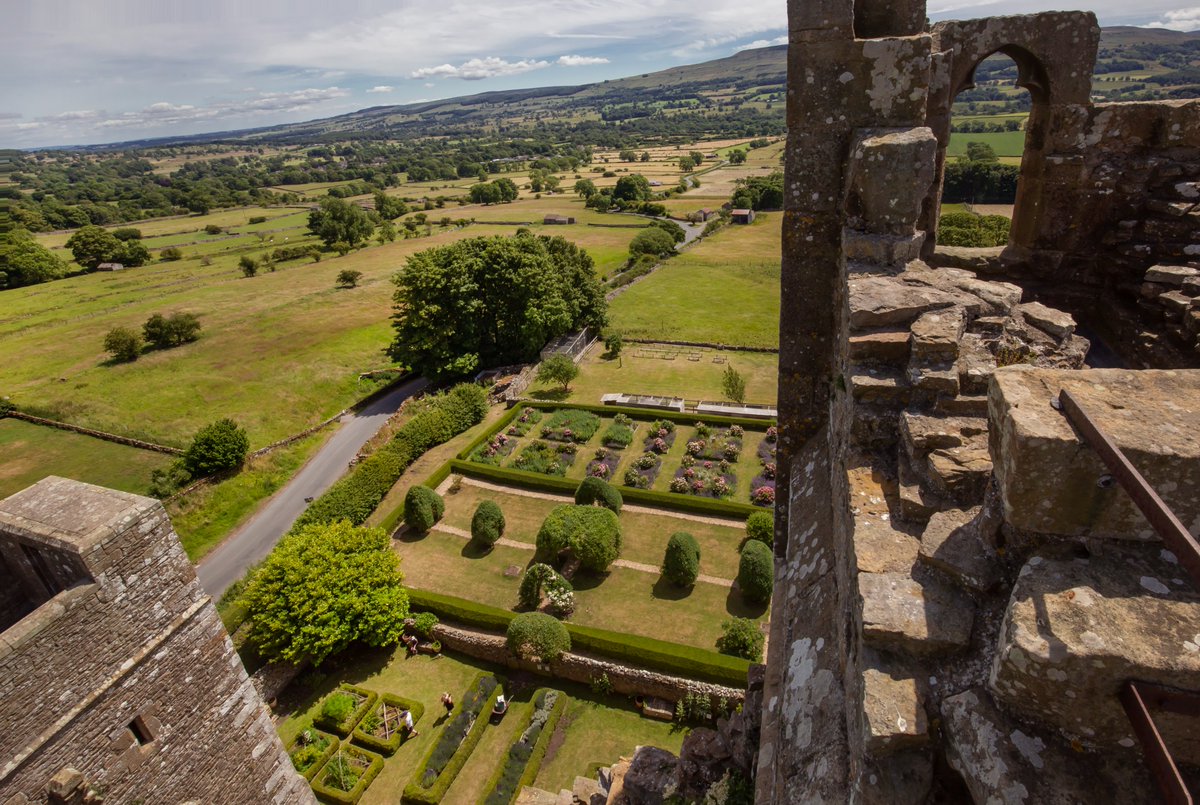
[
  {"x": 756, "y": 572},
  {"x": 761, "y": 526},
  {"x": 598, "y": 490},
  {"x": 658, "y": 413},
  {"x": 681, "y": 563},
  {"x": 487, "y": 524},
  {"x": 414, "y": 791},
  {"x": 423, "y": 507},
  {"x": 328, "y": 794},
  {"x": 311, "y": 771},
  {"x": 533, "y": 763},
  {"x": 640, "y": 652},
  {"x": 389, "y": 746},
  {"x": 344, "y": 728},
  {"x": 536, "y": 635},
  {"x": 592, "y": 533}
]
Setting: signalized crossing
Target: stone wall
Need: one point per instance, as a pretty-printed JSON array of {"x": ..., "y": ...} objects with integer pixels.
[{"x": 124, "y": 671}]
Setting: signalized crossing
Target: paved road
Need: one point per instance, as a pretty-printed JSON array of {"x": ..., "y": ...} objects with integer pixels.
[{"x": 254, "y": 540}]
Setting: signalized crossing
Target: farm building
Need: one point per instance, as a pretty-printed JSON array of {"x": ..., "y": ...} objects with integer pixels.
[
  {"x": 110, "y": 267},
  {"x": 702, "y": 215},
  {"x": 558, "y": 219},
  {"x": 741, "y": 216}
]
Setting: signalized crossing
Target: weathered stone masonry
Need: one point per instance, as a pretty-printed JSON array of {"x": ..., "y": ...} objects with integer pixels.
[{"x": 114, "y": 664}]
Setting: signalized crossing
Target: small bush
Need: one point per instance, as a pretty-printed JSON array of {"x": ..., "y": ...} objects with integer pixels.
[
  {"x": 423, "y": 623},
  {"x": 213, "y": 229},
  {"x": 487, "y": 526},
  {"x": 741, "y": 637},
  {"x": 761, "y": 526},
  {"x": 338, "y": 707},
  {"x": 597, "y": 490},
  {"x": 123, "y": 344},
  {"x": 681, "y": 563},
  {"x": 756, "y": 572},
  {"x": 423, "y": 507},
  {"x": 539, "y": 578},
  {"x": 536, "y": 635},
  {"x": 219, "y": 446},
  {"x": 258, "y": 219},
  {"x": 170, "y": 253},
  {"x": 348, "y": 278},
  {"x": 248, "y": 265}
]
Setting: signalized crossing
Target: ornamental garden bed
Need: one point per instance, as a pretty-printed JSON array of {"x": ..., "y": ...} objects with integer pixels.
[
  {"x": 525, "y": 755},
  {"x": 382, "y": 728},
  {"x": 604, "y": 464},
  {"x": 660, "y": 437},
  {"x": 571, "y": 425},
  {"x": 643, "y": 470},
  {"x": 310, "y": 750},
  {"x": 343, "y": 709},
  {"x": 524, "y": 421},
  {"x": 346, "y": 775},
  {"x": 619, "y": 434},
  {"x": 495, "y": 450},
  {"x": 714, "y": 479},
  {"x": 545, "y": 458},
  {"x": 455, "y": 743},
  {"x": 715, "y": 445}
]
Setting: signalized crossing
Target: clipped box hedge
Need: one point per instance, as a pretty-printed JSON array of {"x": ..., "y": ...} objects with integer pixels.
[
  {"x": 311, "y": 771},
  {"x": 655, "y": 413},
  {"x": 533, "y": 764},
  {"x": 415, "y": 791},
  {"x": 389, "y": 746},
  {"x": 689, "y": 662},
  {"x": 327, "y": 793},
  {"x": 344, "y": 728}
]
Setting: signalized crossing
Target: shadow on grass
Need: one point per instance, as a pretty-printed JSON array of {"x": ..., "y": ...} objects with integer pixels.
[
  {"x": 408, "y": 534},
  {"x": 667, "y": 591},
  {"x": 739, "y": 607},
  {"x": 355, "y": 664},
  {"x": 553, "y": 395},
  {"x": 476, "y": 550},
  {"x": 586, "y": 580}
]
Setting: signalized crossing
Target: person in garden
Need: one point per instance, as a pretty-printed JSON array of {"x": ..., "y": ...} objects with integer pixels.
[
  {"x": 410, "y": 730},
  {"x": 448, "y": 702}
]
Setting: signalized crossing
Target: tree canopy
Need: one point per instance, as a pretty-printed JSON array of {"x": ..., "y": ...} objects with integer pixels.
[
  {"x": 93, "y": 245},
  {"x": 491, "y": 301},
  {"x": 322, "y": 588},
  {"x": 633, "y": 187},
  {"x": 221, "y": 445},
  {"x": 24, "y": 261},
  {"x": 337, "y": 220}
]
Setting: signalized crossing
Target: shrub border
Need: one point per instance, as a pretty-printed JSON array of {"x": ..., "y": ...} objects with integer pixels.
[
  {"x": 355, "y": 717},
  {"x": 334, "y": 743},
  {"x": 414, "y": 791},
  {"x": 689, "y": 662},
  {"x": 534, "y": 764},
  {"x": 390, "y": 746},
  {"x": 327, "y": 794}
]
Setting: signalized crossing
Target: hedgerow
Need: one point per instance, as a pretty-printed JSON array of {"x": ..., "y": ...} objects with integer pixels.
[
  {"x": 341, "y": 720},
  {"x": 387, "y": 746},
  {"x": 327, "y": 792}
]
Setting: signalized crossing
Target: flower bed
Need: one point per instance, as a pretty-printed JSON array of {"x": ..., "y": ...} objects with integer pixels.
[
  {"x": 526, "y": 754},
  {"x": 545, "y": 458},
  {"x": 604, "y": 464},
  {"x": 762, "y": 488},
  {"x": 643, "y": 471},
  {"x": 454, "y": 745},
  {"x": 714, "y": 445},
  {"x": 494, "y": 450},
  {"x": 524, "y": 421},
  {"x": 347, "y": 774},
  {"x": 571, "y": 425},
  {"x": 661, "y": 436},
  {"x": 336, "y": 717},
  {"x": 619, "y": 434},
  {"x": 380, "y": 728},
  {"x": 310, "y": 750},
  {"x": 705, "y": 478}
]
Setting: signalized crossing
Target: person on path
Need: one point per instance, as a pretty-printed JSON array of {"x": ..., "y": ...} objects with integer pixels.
[
  {"x": 409, "y": 729},
  {"x": 448, "y": 702}
]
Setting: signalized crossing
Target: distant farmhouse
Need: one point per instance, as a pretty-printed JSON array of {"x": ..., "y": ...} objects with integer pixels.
[
  {"x": 558, "y": 219},
  {"x": 741, "y": 216},
  {"x": 111, "y": 267}
]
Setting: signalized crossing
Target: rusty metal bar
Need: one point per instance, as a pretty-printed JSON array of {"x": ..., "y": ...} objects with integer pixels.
[
  {"x": 1162, "y": 766},
  {"x": 1174, "y": 535}
]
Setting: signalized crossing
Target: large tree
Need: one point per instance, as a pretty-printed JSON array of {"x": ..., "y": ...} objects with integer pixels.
[
  {"x": 24, "y": 261},
  {"x": 93, "y": 245},
  {"x": 324, "y": 587},
  {"x": 491, "y": 301},
  {"x": 336, "y": 219},
  {"x": 633, "y": 187}
]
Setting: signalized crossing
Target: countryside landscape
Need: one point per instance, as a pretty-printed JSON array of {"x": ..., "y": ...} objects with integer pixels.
[{"x": 437, "y": 394}]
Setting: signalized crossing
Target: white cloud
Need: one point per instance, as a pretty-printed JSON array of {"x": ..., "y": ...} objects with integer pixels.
[
  {"x": 580, "y": 61},
  {"x": 763, "y": 43},
  {"x": 479, "y": 69},
  {"x": 1184, "y": 19},
  {"x": 381, "y": 88}
]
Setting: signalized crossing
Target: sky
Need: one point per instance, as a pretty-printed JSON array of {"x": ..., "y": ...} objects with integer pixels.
[{"x": 96, "y": 71}]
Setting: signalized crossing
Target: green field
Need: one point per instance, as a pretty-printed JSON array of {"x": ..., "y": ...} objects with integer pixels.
[
  {"x": 1005, "y": 144},
  {"x": 724, "y": 290},
  {"x": 31, "y": 452}
]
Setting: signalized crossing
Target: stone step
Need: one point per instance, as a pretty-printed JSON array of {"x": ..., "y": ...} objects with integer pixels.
[
  {"x": 976, "y": 365},
  {"x": 924, "y": 432},
  {"x": 885, "y": 346},
  {"x": 936, "y": 334},
  {"x": 536, "y": 796},
  {"x": 963, "y": 405},
  {"x": 914, "y": 617},
  {"x": 588, "y": 792},
  {"x": 952, "y": 544},
  {"x": 877, "y": 385},
  {"x": 932, "y": 380},
  {"x": 959, "y": 474},
  {"x": 893, "y": 711},
  {"x": 917, "y": 504}
]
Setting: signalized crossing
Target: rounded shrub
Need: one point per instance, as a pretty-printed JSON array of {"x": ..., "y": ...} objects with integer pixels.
[
  {"x": 591, "y": 533},
  {"x": 216, "y": 447},
  {"x": 487, "y": 526},
  {"x": 756, "y": 572},
  {"x": 597, "y": 490},
  {"x": 741, "y": 637},
  {"x": 761, "y": 526},
  {"x": 681, "y": 564},
  {"x": 536, "y": 635},
  {"x": 423, "y": 507}
]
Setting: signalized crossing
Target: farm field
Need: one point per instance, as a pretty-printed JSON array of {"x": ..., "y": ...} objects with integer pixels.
[
  {"x": 1005, "y": 143},
  {"x": 31, "y": 452},
  {"x": 724, "y": 290}
]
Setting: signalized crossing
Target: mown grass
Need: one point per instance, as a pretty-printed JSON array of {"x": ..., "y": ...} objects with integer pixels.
[
  {"x": 29, "y": 453},
  {"x": 1005, "y": 143},
  {"x": 724, "y": 290}
]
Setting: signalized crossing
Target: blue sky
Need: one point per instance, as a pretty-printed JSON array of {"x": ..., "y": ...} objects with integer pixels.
[{"x": 92, "y": 71}]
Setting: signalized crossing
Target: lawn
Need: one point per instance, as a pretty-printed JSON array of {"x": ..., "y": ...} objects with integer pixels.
[
  {"x": 723, "y": 290},
  {"x": 654, "y": 369},
  {"x": 1005, "y": 143},
  {"x": 593, "y": 729},
  {"x": 31, "y": 452}
]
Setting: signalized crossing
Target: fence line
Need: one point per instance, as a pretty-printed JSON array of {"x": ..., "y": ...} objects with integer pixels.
[{"x": 98, "y": 434}]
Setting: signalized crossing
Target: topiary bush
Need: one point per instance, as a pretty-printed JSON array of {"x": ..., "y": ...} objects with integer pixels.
[
  {"x": 597, "y": 490},
  {"x": 756, "y": 572},
  {"x": 487, "y": 526},
  {"x": 741, "y": 637},
  {"x": 423, "y": 507},
  {"x": 681, "y": 564},
  {"x": 539, "y": 578},
  {"x": 591, "y": 533},
  {"x": 761, "y": 526},
  {"x": 536, "y": 635}
]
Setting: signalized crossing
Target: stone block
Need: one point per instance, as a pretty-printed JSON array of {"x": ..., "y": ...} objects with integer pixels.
[
  {"x": 881, "y": 547},
  {"x": 1191, "y": 286},
  {"x": 936, "y": 334},
  {"x": 917, "y": 504},
  {"x": 893, "y": 713},
  {"x": 885, "y": 301},
  {"x": 1050, "y": 482},
  {"x": 976, "y": 364},
  {"x": 1076, "y": 630},
  {"x": 985, "y": 259},
  {"x": 1171, "y": 275},
  {"x": 871, "y": 249},
  {"x": 1175, "y": 304},
  {"x": 886, "y": 346},
  {"x": 939, "y": 379},
  {"x": 960, "y": 473},
  {"x": 869, "y": 384},
  {"x": 1002, "y": 761},
  {"x": 1053, "y": 322},
  {"x": 964, "y": 405},
  {"x": 952, "y": 543},
  {"x": 920, "y": 619},
  {"x": 888, "y": 170},
  {"x": 923, "y": 433},
  {"x": 652, "y": 777}
]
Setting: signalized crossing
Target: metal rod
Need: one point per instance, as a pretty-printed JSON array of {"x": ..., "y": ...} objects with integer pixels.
[
  {"x": 1170, "y": 700},
  {"x": 1158, "y": 757},
  {"x": 1174, "y": 535}
]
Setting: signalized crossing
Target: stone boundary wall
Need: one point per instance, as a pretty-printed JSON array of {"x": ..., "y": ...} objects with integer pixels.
[
  {"x": 581, "y": 668},
  {"x": 703, "y": 344},
  {"x": 99, "y": 434},
  {"x": 620, "y": 226}
]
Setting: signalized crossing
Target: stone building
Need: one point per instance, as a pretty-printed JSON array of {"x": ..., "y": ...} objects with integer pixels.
[{"x": 118, "y": 682}]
